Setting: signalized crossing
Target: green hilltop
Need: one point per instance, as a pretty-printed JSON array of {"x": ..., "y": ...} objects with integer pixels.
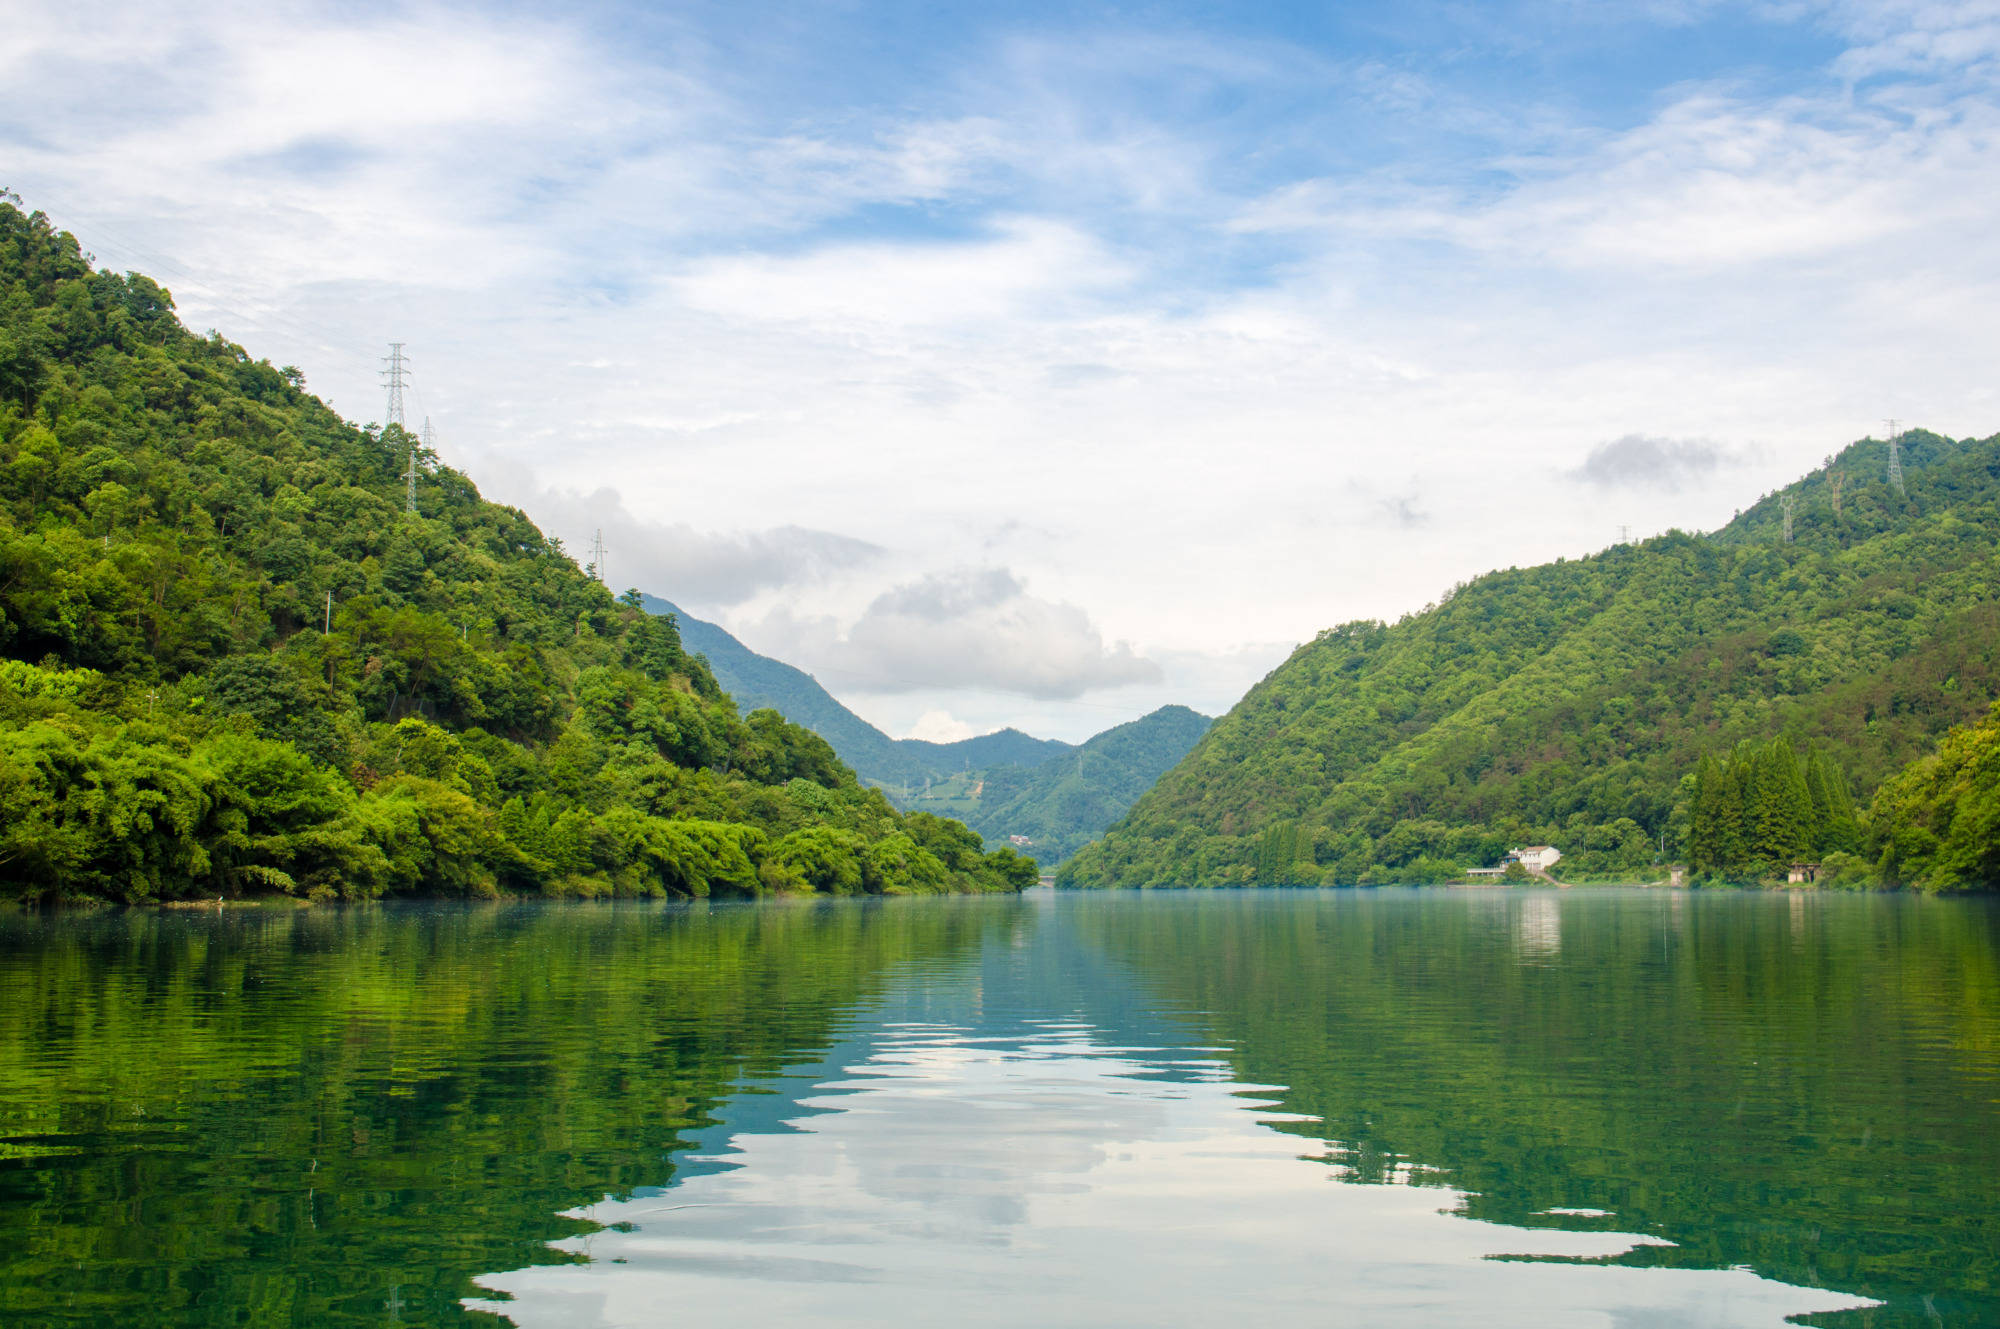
[
  {"x": 1066, "y": 802},
  {"x": 1572, "y": 703},
  {"x": 232, "y": 663}
]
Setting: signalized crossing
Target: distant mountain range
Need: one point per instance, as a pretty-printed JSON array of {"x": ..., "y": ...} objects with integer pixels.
[
  {"x": 895, "y": 764},
  {"x": 1058, "y": 796},
  {"x": 1066, "y": 802}
]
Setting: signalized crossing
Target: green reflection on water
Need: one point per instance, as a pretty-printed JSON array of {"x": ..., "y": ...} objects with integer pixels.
[
  {"x": 1806, "y": 1084},
  {"x": 345, "y": 1116},
  {"x": 341, "y": 1116}
]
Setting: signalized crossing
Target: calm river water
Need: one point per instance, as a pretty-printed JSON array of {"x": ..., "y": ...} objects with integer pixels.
[{"x": 1278, "y": 1108}]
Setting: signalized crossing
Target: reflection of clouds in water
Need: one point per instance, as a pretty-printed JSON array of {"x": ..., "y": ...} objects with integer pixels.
[
  {"x": 1046, "y": 1179},
  {"x": 1538, "y": 928}
]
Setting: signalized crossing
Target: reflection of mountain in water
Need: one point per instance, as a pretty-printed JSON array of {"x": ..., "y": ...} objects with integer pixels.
[
  {"x": 1761, "y": 1080},
  {"x": 304, "y": 1118},
  {"x": 1041, "y": 1130}
]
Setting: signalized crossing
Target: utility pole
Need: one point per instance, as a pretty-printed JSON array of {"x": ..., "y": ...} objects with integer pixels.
[
  {"x": 597, "y": 563},
  {"x": 1786, "y": 504},
  {"x": 1896, "y": 456}
]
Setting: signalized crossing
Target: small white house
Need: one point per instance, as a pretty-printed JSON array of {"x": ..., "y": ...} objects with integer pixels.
[{"x": 1536, "y": 857}]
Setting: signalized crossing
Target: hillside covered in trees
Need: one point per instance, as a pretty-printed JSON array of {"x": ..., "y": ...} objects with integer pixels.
[
  {"x": 1057, "y": 796},
  {"x": 1573, "y": 703},
  {"x": 231, "y": 662},
  {"x": 1066, "y": 802}
]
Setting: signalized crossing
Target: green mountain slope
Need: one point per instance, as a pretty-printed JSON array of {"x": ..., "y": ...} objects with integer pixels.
[
  {"x": 896, "y": 764},
  {"x": 1566, "y": 703},
  {"x": 1001, "y": 784},
  {"x": 230, "y": 661},
  {"x": 1066, "y": 802},
  {"x": 1937, "y": 821}
]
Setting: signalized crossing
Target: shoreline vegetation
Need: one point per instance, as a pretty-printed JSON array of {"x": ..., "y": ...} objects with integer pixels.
[{"x": 248, "y": 648}]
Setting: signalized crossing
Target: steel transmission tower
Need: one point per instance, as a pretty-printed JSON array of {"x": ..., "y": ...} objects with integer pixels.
[
  {"x": 410, "y": 475},
  {"x": 597, "y": 567},
  {"x": 1786, "y": 503},
  {"x": 1895, "y": 456},
  {"x": 396, "y": 377}
]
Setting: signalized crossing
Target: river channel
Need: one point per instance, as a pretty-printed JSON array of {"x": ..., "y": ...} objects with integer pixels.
[{"x": 1400, "y": 1107}]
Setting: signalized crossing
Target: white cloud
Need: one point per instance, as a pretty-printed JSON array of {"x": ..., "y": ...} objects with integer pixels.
[
  {"x": 692, "y": 567},
  {"x": 940, "y": 726},
  {"x": 1198, "y": 380},
  {"x": 967, "y": 628},
  {"x": 1025, "y": 267}
]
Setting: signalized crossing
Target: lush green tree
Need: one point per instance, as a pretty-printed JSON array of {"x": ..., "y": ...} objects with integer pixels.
[
  {"x": 231, "y": 662},
  {"x": 1936, "y": 825}
]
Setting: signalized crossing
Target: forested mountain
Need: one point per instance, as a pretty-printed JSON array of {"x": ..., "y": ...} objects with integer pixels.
[
  {"x": 1571, "y": 703},
  {"x": 230, "y": 661},
  {"x": 896, "y": 764},
  {"x": 1001, "y": 784},
  {"x": 1066, "y": 802}
]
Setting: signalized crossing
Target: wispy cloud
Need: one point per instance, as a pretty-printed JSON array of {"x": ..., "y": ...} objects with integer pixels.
[
  {"x": 1637, "y": 461},
  {"x": 1142, "y": 313}
]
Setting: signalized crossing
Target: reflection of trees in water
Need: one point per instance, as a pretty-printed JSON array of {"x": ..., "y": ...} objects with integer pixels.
[
  {"x": 1800, "y": 1086},
  {"x": 290, "y": 1114}
]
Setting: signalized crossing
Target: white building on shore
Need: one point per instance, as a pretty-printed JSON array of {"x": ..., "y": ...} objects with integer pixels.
[{"x": 1535, "y": 857}]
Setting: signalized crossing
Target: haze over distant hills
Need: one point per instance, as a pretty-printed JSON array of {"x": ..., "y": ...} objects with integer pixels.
[
  {"x": 894, "y": 763},
  {"x": 1058, "y": 796}
]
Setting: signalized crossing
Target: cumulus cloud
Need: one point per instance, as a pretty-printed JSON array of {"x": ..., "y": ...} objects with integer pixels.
[
  {"x": 1640, "y": 461},
  {"x": 968, "y": 628},
  {"x": 677, "y": 560},
  {"x": 940, "y": 726}
]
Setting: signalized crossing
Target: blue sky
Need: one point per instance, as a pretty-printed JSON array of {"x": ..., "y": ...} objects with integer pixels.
[{"x": 1041, "y": 364}]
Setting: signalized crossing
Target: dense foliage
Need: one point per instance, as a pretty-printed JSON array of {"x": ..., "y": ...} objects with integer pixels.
[
  {"x": 1066, "y": 802},
  {"x": 1763, "y": 809},
  {"x": 1938, "y": 821},
  {"x": 1565, "y": 703},
  {"x": 231, "y": 662}
]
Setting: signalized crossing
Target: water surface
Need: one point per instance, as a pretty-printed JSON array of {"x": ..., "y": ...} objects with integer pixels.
[{"x": 1373, "y": 1107}]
